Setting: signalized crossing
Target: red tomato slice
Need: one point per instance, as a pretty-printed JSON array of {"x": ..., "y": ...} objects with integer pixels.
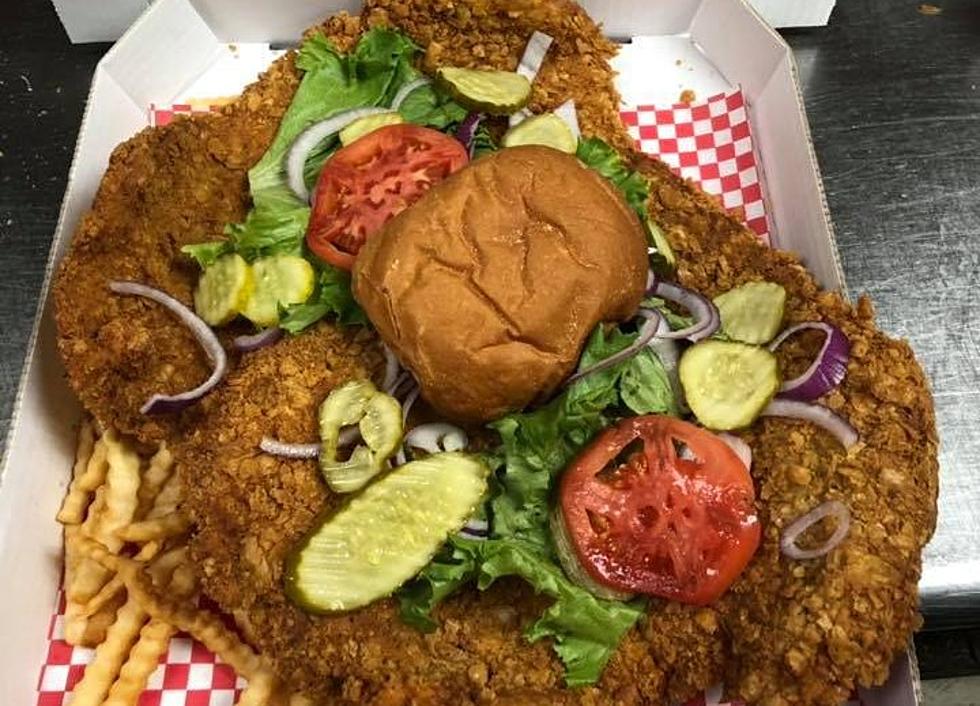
[
  {"x": 373, "y": 179},
  {"x": 644, "y": 519}
]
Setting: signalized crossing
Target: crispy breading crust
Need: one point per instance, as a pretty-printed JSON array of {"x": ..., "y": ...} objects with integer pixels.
[
  {"x": 787, "y": 632},
  {"x": 164, "y": 188}
]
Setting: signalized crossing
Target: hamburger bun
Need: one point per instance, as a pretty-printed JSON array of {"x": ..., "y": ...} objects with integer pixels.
[{"x": 487, "y": 288}]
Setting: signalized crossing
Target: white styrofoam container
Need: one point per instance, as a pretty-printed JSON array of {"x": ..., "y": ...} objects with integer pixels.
[{"x": 180, "y": 46}]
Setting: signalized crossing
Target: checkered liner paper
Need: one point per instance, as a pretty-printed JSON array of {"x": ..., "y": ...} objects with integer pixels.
[{"x": 708, "y": 142}]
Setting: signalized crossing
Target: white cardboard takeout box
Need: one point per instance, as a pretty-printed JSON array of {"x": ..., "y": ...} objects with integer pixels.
[
  {"x": 106, "y": 20},
  {"x": 180, "y": 47}
]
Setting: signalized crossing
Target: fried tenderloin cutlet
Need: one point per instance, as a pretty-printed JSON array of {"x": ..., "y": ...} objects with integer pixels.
[
  {"x": 787, "y": 632},
  {"x": 164, "y": 188}
]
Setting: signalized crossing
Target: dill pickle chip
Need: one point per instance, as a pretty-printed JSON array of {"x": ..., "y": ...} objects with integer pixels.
[
  {"x": 369, "y": 123},
  {"x": 485, "y": 91},
  {"x": 727, "y": 385},
  {"x": 546, "y": 129},
  {"x": 379, "y": 418},
  {"x": 280, "y": 280},
  {"x": 752, "y": 312},
  {"x": 385, "y": 534},
  {"x": 223, "y": 290}
]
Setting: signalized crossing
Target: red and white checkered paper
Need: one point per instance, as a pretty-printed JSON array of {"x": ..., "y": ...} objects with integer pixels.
[
  {"x": 707, "y": 142},
  {"x": 188, "y": 675},
  {"x": 710, "y": 143}
]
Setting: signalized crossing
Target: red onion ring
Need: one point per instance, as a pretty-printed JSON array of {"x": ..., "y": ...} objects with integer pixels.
[
  {"x": 787, "y": 543},
  {"x": 827, "y": 370},
  {"x": 669, "y": 354},
  {"x": 646, "y": 333},
  {"x": 257, "y": 341},
  {"x": 736, "y": 444},
  {"x": 475, "y": 529},
  {"x": 284, "y": 450},
  {"x": 274, "y": 447},
  {"x": 310, "y": 138},
  {"x": 705, "y": 313},
  {"x": 823, "y": 417},
  {"x": 466, "y": 132},
  {"x": 437, "y": 437},
  {"x": 407, "y": 89},
  {"x": 166, "y": 404},
  {"x": 534, "y": 54},
  {"x": 392, "y": 366}
]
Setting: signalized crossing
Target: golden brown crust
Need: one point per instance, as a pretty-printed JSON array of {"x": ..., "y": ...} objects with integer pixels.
[
  {"x": 840, "y": 621},
  {"x": 801, "y": 633},
  {"x": 488, "y": 287},
  {"x": 164, "y": 188}
]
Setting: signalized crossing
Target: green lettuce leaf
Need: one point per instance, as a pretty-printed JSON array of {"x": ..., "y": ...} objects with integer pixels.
[
  {"x": 205, "y": 254},
  {"x": 595, "y": 153},
  {"x": 332, "y": 83},
  {"x": 332, "y": 296},
  {"x": 431, "y": 107},
  {"x": 536, "y": 448}
]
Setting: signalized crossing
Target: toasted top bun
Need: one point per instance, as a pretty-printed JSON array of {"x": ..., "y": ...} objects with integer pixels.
[{"x": 487, "y": 287}]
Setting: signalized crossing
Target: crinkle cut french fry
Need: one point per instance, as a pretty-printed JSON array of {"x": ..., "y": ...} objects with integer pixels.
[
  {"x": 167, "y": 500},
  {"x": 122, "y": 483},
  {"x": 154, "y": 637},
  {"x": 261, "y": 690},
  {"x": 143, "y": 660},
  {"x": 73, "y": 507},
  {"x": 109, "y": 656},
  {"x": 83, "y": 630},
  {"x": 157, "y": 473},
  {"x": 159, "y": 528},
  {"x": 298, "y": 699},
  {"x": 116, "y": 584},
  {"x": 205, "y": 627}
]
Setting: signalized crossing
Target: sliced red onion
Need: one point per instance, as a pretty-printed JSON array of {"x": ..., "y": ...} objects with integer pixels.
[
  {"x": 534, "y": 53},
  {"x": 741, "y": 449},
  {"x": 705, "y": 313},
  {"x": 835, "y": 508},
  {"x": 274, "y": 447},
  {"x": 408, "y": 89},
  {"x": 475, "y": 528},
  {"x": 823, "y": 417},
  {"x": 566, "y": 111},
  {"x": 437, "y": 437},
  {"x": 166, "y": 404},
  {"x": 667, "y": 350},
  {"x": 392, "y": 366},
  {"x": 466, "y": 132},
  {"x": 311, "y": 137},
  {"x": 827, "y": 370},
  {"x": 646, "y": 333},
  {"x": 515, "y": 119},
  {"x": 284, "y": 450},
  {"x": 409, "y": 401},
  {"x": 257, "y": 341}
]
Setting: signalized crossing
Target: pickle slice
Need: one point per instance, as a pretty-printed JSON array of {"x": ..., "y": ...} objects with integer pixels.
[
  {"x": 379, "y": 417},
  {"x": 752, "y": 312},
  {"x": 727, "y": 385},
  {"x": 546, "y": 129},
  {"x": 369, "y": 123},
  {"x": 485, "y": 91},
  {"x": 386, "y": 534},
  {"x": 223, "y": 290},
  {"x": 279, "y": 280}
]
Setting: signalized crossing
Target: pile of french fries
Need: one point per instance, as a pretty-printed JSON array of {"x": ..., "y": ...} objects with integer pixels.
[{"x": 129, "y": 583}]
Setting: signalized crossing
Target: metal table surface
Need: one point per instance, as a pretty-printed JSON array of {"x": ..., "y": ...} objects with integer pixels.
[{"x": 894, "y": 105}]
